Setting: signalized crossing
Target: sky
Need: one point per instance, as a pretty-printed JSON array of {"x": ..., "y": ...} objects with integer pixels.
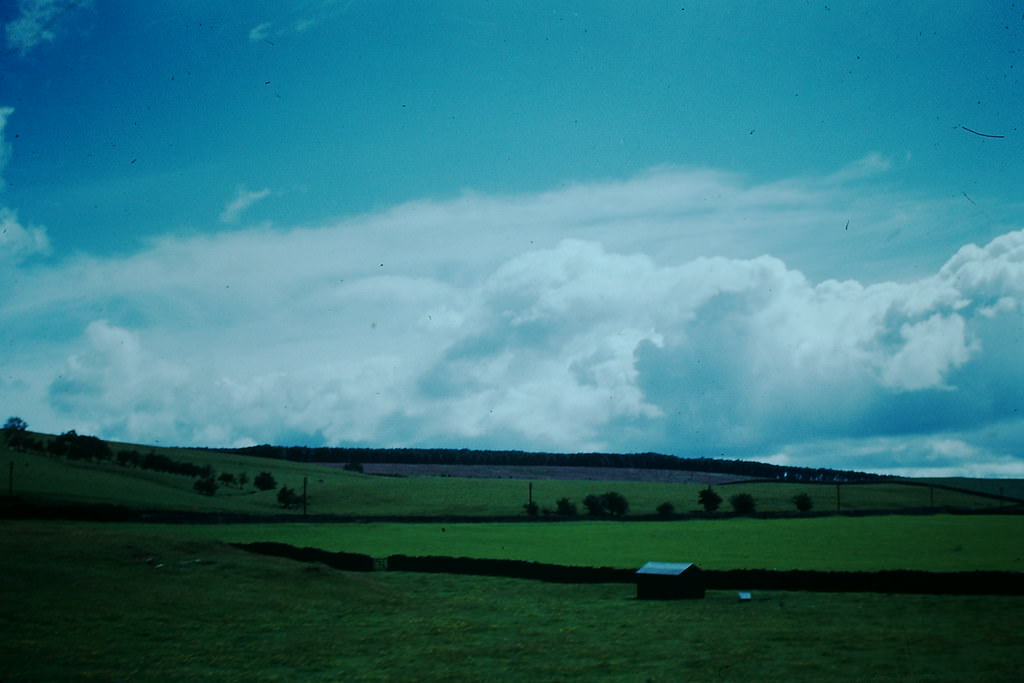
[{"x": 790, "y": 232}]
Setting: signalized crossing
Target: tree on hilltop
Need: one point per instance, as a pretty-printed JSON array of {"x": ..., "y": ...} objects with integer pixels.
[
  {"x": 14, "y": 424},
  {"x": 803, "y": 502},
  {"x": 264, "y": 481},
  {"x": 709, "y": 499},
  {"x": 742, "y": 504}
]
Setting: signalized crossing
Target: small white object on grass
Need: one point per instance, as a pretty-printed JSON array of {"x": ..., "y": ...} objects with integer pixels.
[{"x": 744, "y": 596}]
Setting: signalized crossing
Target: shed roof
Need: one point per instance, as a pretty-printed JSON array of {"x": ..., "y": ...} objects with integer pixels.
[{"x": 665, "y": 568}]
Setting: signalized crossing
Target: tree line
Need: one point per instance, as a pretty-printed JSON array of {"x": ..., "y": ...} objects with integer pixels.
[
  {"x": 614, "y": 504},
  {"x": 465, "y": 456}
]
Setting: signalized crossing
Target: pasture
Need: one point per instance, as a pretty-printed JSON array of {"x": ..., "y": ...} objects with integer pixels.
[
  {"x": 333, "y": 491},
  {"x": 155, "y": 602},
  {"x": 104, "y": 602},
  {"x": 929, "y": 542}
]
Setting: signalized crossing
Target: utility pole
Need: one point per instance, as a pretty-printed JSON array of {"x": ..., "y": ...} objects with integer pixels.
[
  {"x": 10, "y": 481},
  {"x": 837, "y": 498},
  {"x": 531, "y": 493},
  {"x": 305, "y": 483}
]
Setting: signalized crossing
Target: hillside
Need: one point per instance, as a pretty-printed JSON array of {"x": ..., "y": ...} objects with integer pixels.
[{"x": 45, "y": 471}]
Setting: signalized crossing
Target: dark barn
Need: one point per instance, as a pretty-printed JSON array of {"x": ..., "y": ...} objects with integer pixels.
[{"x": 669, "y": 581}]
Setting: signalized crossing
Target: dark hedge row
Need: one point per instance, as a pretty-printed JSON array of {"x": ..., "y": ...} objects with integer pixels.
[
  {"x": 516, "y": 569},
  {"x": 895, "y": 581},
  {"x": 355, "y": 562}
]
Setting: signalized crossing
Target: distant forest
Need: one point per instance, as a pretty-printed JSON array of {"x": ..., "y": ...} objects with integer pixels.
[{"x": 653, "y": 461}]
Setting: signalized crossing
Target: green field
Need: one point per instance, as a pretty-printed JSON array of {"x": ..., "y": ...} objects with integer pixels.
[
  {"x": 102, "y": 602},
  {"x": 333, "y": 491},
  {"x": 157, "y": 602},
  {"x": 931, "y": 542}
]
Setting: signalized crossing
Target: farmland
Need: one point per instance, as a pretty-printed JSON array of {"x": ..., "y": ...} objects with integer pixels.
[
  {"x": 110, "y": 603},
  {"x": 148, "y": 601}
]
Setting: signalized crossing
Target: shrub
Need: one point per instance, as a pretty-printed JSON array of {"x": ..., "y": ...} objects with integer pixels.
[
  {"x": 709, "y": 499},
  {"x": 353, "y": 467},
  {"x": 803, "y": 502},
  {"x": 226, "y": 478},
  {"x": 288, "y": 498},
  {"x": 593, "y": 505},
  {"x": 532, "y": 509},
  {"x": 742, "y": 504},
  {"x": 611, "y": 503},
  {"x": 615, "y": 503},
  {"x": 566, "y": 508},
  {"x": 666, "y": 509},
  {"x": 264, "y": 481},
  {"x": 206, "y": 486}
]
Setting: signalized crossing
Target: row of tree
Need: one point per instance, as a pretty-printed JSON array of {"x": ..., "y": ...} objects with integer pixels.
[
  {"x": 614, "y": 504},
  {"x": 81, "y": 447}
]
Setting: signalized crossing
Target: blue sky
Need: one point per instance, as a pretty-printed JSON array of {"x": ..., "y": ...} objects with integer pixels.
[{"x": 782, "y": 231}]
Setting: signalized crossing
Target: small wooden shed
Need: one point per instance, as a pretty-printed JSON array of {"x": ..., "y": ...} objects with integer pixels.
[{"x": 669, "y": 581}]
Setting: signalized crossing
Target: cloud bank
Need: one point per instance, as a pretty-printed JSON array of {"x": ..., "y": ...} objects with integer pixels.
[{"x": 547, "y": 322}]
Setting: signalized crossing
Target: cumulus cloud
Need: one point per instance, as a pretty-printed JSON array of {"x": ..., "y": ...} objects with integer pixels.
[
  {"x": 242, "y": 200},
  {"x": 36, "y": 22},
  {"x": 18, "y": 242},
  {"x": 5, "y": 147},
  {"x": 538, "y": 322}
]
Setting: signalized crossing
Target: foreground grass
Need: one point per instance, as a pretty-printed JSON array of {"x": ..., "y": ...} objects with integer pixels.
[
  {"x": 104, "y": 603},
  {"x": 932, "y": 543}
]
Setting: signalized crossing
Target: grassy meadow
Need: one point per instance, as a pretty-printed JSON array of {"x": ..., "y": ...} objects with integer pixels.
[
  {"x": 334, "y": 491},
  {"x": 156, "y": 602},
  {"x": 104, "y": 602},
  {"x": 930, "y": 543}
]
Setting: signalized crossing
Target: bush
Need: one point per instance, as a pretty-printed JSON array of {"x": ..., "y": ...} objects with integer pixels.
[
  {"x": 532, "y": 509},
  {"x": 742, "y": 504},
  {"x": 803, "y": 502},
  {"x": 709, "y": 499},
  {"x": 226, "y": 478},
  {"x": 206, "y": 486},
  {"x": 666, "y": 509},
  {"x": 353, "y": 467},
  {"x": 593, "y": 505},
  {"x": 611, "y": 503},
  {"x": 264, "y": 481},
  {"x": 566, "y": 508},
  {"x": 615, "y": 503},
  {"x": 288, "y": 498}
]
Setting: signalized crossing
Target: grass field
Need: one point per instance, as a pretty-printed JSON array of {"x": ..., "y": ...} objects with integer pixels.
[
  {"x": 333, "y": 491},
  {"x": 932, "y": 542},
  {"x": 103, "y": 602}
]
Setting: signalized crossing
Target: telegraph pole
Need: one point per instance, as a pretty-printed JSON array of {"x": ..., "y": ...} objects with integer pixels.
[{"x": 305, "y": 482}]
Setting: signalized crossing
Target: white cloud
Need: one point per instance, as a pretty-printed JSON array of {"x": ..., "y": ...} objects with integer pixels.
[
  {"x": 534, "y": 322},
  {"x": 242, "y": 200},
  {"x": 36, "y": 22},
  {"x": 18, "y": 242},
  {"x": 5, "y": 147},
  {"x": 260, "y": 32}
]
